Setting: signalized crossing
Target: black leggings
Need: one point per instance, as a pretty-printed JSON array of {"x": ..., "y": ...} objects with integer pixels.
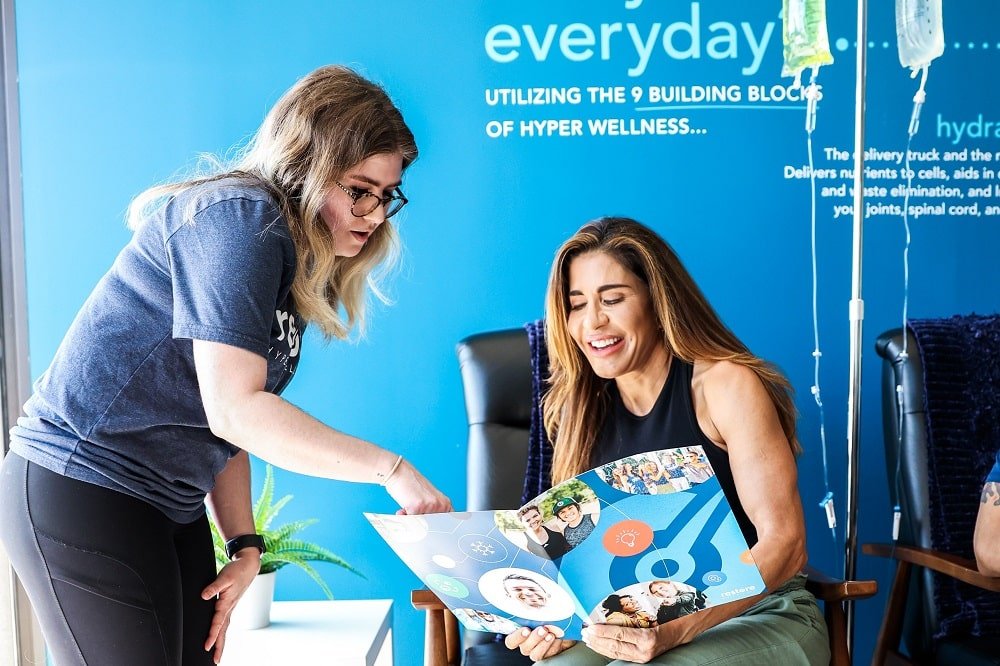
[{"x": 112, "y": 579}]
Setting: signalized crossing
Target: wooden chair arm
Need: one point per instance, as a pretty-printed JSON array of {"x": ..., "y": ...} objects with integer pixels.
[
  {"x": 827, "y": 588},
  {"x": 957, "y": 567},
  {"x": 426, "y": 600},
  {"x": 441, "y": 644}
]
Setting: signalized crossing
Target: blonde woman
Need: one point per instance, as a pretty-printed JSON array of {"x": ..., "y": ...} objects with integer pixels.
[
  {"x": 640, "y": 361},
  {"x": 674, "y": 600},
  {"x": 171, "y": 374},
  {"x": 653, "y": 475}
]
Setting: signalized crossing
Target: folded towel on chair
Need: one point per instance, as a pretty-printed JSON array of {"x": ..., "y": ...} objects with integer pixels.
[
  {"x": 961, "y": 363},
  {"x": 538, "y": 475}
]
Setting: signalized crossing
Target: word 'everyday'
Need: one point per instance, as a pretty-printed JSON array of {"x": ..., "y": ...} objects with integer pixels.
[{"x": 681, "y": 40}]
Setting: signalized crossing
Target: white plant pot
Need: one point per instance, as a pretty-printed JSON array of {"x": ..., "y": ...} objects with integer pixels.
[{"x": 253, "y": 610}]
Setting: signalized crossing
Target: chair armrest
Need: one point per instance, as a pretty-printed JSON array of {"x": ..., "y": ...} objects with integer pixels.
[
  {"x": 426, "y": 600},
  {"x": 954, "y": 566},
  {"x": 827, "y": 588},
  {"x": 441, "y": 643}
]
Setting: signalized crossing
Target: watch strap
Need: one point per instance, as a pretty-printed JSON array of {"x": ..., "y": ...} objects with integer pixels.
[{"x": 242, "y": 541}]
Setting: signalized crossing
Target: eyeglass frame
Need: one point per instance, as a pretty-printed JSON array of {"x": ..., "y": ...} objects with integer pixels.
[{"x": 384, "y": 202}]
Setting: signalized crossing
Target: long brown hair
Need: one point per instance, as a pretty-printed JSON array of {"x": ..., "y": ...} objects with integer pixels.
[
  {"x": 574, "y": 406},
  {"x": 329, "y": 121}
]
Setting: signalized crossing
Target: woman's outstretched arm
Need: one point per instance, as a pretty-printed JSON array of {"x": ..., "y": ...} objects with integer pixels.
[{"x": 239, "y": 410}]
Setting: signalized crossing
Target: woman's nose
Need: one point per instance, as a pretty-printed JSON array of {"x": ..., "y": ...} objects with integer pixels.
[
  {"x": 376, "y": 216},
  {"x": 594, "y": 317}
]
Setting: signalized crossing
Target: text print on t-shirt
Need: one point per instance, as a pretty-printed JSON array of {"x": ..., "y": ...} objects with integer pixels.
[{"x": 290, "y": 332}]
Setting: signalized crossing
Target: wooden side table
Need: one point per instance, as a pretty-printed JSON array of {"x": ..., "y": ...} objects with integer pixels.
[{"x": 348, "y": 633}]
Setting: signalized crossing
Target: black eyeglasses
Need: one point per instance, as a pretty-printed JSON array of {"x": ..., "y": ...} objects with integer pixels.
[{"x": 364, "y": 203}]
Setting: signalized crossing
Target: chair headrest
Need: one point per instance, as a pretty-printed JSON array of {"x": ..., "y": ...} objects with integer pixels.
[{"x": 496, "y": 377}]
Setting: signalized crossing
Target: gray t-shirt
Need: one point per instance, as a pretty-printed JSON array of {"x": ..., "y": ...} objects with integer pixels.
[
  {"x": 575, "y": 535},
  {"x": 119, "y": 406}
]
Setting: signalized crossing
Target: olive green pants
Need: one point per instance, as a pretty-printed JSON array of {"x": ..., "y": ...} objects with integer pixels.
[{"x": 785, "y": 628}]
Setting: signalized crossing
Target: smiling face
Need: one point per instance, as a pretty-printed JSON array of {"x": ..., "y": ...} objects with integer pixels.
[
  {"x": 629, "y": 604},
  {"x": 611, "y": 318},
  {"x": 528, "y": 592},
  {"x": 531, "y": 519},
  {"x": 663, "y": 589},
  {"x": 570, "y": 514},
  {"x": 379, "y": 175}
]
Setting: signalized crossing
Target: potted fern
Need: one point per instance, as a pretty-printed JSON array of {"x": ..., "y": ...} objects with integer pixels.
[{"x": 253, "y": 611}]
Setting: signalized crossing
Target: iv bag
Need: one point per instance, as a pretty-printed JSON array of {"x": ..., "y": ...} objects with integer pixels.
[
  {"x": 919, "y": 32},
  {"x": 804, "y": 36}
]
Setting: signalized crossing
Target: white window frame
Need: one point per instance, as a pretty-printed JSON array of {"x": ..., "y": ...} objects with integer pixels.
[{"x": 21, "y": 641}]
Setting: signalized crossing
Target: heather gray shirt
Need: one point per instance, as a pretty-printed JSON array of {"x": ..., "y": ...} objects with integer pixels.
[{"x": 119, "y": 406}]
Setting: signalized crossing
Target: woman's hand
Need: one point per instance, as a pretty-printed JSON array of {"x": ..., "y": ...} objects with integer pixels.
[
  {"x": 540, "y": 643},
  {"x": 229, "y": 586},
  {"x": 414, "y": 493},
  {"x": 636, "y": 645}
]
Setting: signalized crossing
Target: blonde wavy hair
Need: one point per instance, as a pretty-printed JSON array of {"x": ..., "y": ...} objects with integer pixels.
[
  {"x": 329, "y": 121},
  {"x": 575, "y": 404}
]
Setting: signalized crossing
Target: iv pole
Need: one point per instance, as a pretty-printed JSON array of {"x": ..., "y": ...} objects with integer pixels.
[{"x": 856, "y": 317}]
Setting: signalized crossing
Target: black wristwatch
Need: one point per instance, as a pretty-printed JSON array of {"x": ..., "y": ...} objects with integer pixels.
[{"x": 236, "y": 544}]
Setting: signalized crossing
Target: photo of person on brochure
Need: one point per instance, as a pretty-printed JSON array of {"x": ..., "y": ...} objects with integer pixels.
[
  {"x": 653, "y": 476},
  {"x": 526, "y": 590},
  {"x": 674, "y": 600},
  {"x": 541, "y": 540},
  {"x": 686, "y": 466},
  {"x": 553, "y": 523},
  {"x": 641, "y": 474},
  {"x": 526, "y": 594},
  {"x": 696, "y": 466},
  {"x": 675, "y": 472},
  {"x": 649, "y": 603},
  {"x": 578, "y": 525},
  {"x": 625, "y": 611},
  {"x": 474, "y": 618}
]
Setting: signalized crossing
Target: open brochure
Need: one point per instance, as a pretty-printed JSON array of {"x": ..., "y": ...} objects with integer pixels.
[{"x": 636, "y": 542}]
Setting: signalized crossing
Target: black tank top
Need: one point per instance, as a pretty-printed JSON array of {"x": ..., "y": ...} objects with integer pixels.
[{"x": 670, "y": 424}]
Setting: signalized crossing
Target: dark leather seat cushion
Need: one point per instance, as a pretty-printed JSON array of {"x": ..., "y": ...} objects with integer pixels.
[
  {"x": 970, "y": 651},
  {"x": 494, "y": 654}
]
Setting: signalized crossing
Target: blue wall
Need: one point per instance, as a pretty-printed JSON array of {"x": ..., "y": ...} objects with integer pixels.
[{"x": 116, "y": 96}]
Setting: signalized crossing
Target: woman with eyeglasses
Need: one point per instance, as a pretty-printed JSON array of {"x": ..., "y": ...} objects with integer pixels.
[
  {"x": 640, "y": 362},
  {"x": 171, "y": 374}
]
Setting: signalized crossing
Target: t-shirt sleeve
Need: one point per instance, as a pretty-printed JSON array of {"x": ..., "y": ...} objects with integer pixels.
[
  {"x": 226, "y": 269},
  {"x": 994, "y": 475}
]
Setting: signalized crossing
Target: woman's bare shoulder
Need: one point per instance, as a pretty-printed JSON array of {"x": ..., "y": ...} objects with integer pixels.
[{"x": 725, "y": 376}]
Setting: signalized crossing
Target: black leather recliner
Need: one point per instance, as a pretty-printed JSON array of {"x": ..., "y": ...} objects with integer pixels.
[
  {"x": 497, "y": 380},
  {"x": 496, "y": 377},
  {"x": 911, "y": 613}
]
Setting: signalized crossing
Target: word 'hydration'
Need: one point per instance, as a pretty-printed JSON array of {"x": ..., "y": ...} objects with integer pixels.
[{"x": 681, "y": 40}]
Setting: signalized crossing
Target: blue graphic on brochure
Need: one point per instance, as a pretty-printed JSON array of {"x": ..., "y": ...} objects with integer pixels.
[{"x": 636, "y": 542}]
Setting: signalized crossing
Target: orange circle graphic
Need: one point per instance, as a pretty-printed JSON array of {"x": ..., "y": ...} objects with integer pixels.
[{"x": 629, "y": 537}]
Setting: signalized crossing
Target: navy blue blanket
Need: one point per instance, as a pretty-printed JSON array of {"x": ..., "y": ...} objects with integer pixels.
[
  {"x": 538, "y": 475},
  {"x": 961, "y": 362}
]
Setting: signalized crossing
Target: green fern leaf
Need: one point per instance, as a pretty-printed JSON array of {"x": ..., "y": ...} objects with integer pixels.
[
  {"x": 267, "y": 492},
  {"x": 282, "y": 549},
  {"x": 316, "y": 577},
  {"x": 282, "y": 533},
  {"x": 269, "y": 513}
]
